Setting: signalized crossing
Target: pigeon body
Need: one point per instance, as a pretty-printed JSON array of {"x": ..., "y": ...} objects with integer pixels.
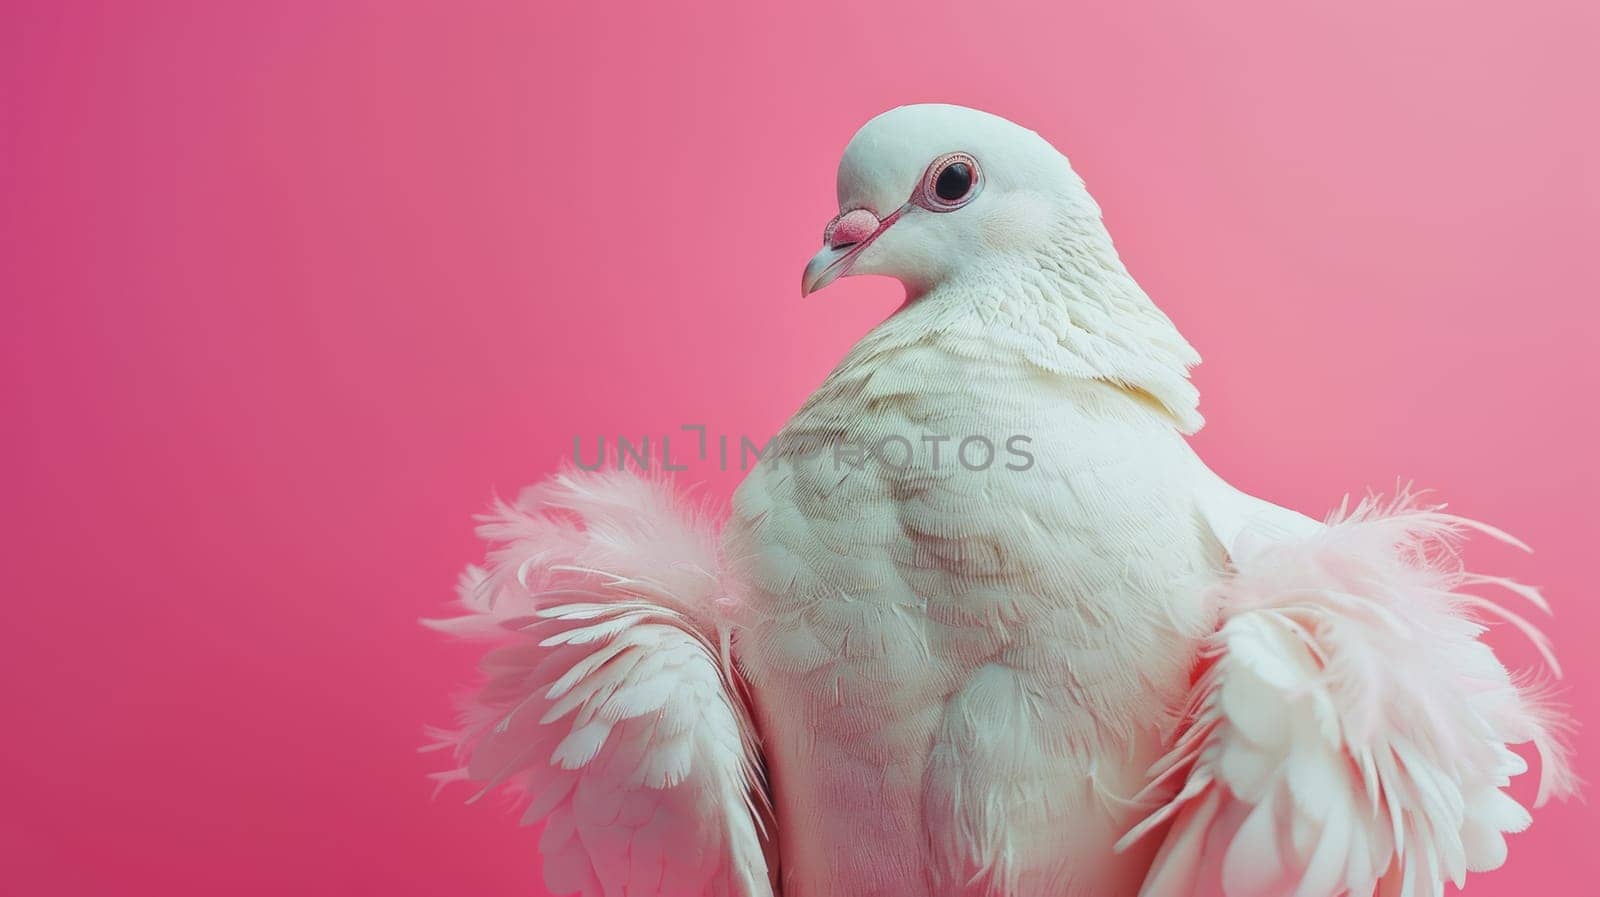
[
  {"x": 981, "y": 622},
  {"x": 968, "y": 670}
]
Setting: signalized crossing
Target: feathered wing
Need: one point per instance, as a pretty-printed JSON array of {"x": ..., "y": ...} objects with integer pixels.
[
  {"x": 1348, "y": 733},
  {"x": 608, "y": 698}
]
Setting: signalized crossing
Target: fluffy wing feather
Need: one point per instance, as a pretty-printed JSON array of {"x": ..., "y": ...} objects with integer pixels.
[
  {"x": 1348, "y": 732},
  {"x": 608, "y": 701}
]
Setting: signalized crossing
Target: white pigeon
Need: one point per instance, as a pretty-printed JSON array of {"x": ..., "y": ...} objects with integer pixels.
[{"x": 982, "y": 623}]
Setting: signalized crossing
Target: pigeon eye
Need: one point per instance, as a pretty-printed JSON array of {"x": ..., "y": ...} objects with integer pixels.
[
  {"x": 954, "y": 182},
  {"x": 951, "y": 182}
]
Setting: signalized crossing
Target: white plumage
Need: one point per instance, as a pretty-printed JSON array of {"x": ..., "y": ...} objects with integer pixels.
[
  {"x": 608, "y": 700},
  {"x": 1087, "y": 667},
  {"x": 1349, "y": 730}
]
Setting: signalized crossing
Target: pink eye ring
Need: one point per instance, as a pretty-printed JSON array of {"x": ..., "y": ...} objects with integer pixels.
[{"x": 951, "y": 181}]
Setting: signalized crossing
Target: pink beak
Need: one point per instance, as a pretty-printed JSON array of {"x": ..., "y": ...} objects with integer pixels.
[{"x": 844, "y": 239}]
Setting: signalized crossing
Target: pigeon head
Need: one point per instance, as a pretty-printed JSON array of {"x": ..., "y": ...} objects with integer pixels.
[
  {"x": 995, "y": 238},
  {"x": 927, "y": 191}
]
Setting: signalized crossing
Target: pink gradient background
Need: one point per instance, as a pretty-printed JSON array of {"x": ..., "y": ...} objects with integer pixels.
[{"x": 288, "y": 288}]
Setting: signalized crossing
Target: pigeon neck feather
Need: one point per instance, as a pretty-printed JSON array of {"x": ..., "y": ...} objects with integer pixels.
[{"x": 1070, "y": 310}]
